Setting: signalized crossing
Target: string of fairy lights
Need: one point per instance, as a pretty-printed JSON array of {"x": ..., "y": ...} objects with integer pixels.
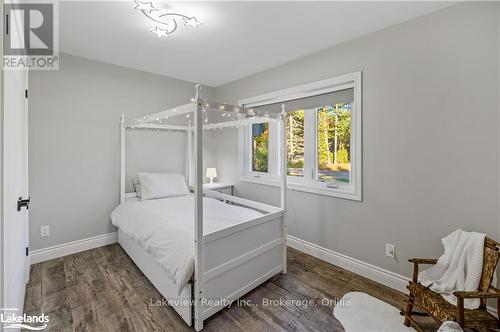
[
  {"x": 229, "y": 116},
  {"x": 165, "y": 21}
]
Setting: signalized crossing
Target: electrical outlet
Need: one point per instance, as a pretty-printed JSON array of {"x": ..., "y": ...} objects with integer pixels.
[
  {"x": 44, "y": 231},
  {"x": 390, "y": 250}
]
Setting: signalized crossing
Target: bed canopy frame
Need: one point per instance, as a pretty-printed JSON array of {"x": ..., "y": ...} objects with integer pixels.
[{"x": 192, "y": 119}]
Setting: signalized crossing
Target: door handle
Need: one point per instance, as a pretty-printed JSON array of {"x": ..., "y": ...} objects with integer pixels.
[{"x": 23, "y": 203}]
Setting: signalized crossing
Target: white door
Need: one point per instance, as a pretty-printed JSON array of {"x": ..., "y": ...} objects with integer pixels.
[{"x": 15, "y": 176}]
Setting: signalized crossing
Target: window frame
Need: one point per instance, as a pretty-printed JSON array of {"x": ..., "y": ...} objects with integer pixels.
[{"x": 309, "y": 182}]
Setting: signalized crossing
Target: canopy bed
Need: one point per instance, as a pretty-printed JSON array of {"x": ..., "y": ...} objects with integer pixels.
[{"x": 206, "y": 249}]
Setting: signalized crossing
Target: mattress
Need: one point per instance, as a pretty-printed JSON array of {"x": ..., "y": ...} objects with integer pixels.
[{"x": 165, "y": 228}]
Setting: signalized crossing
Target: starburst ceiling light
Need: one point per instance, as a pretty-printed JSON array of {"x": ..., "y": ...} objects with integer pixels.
[{"x": 165, "y": 22}]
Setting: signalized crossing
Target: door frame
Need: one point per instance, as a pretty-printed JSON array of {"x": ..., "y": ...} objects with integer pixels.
[{"x": 26, "y": 140}]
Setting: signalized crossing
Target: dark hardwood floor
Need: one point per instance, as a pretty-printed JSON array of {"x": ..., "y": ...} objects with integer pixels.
[{"x": 102, "y": 290}]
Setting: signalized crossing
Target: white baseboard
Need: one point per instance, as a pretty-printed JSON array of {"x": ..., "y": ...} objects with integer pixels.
[
  {"x": 61, "y": 250},
  {"x": 372, "y": 272}
]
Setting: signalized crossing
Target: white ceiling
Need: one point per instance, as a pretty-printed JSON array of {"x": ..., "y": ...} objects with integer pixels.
[{"x": 238, "y": 38}]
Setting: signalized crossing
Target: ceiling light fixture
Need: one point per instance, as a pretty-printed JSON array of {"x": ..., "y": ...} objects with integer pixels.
[{"x": 166, "y": 22}]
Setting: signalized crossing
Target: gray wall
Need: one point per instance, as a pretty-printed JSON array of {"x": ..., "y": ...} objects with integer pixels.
[
  {"x": 430, "y": 137},
  {"x": 498, "y": 94},
  {"x": 74, "y": 143}
]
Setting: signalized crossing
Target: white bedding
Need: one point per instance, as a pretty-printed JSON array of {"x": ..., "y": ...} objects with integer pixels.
[{"x": 165, "y": 228}]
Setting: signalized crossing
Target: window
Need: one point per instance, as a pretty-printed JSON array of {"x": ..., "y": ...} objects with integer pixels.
[
  {"x": 295, "y": 143},
  {"x": 323, "y": 138},
  {"x": 260, "y": 147}
]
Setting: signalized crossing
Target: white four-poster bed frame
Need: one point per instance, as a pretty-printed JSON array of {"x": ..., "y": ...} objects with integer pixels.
[{"x": 232, "y": 261}]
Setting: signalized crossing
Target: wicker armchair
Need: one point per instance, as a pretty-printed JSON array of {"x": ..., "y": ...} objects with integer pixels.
[{"x": 441, "y": 310}]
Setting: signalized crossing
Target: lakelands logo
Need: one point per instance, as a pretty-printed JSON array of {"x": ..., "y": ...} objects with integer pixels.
[
  {"x": 31, "y": 35},
  {"x": 28, "y": 322}
]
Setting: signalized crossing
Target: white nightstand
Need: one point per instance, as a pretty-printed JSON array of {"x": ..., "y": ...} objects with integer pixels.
[{"x": 224, "y": 188}]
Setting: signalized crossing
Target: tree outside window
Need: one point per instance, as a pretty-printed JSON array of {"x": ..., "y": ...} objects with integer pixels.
[
  {"x": 334, "y": 142},
  {"x": 295, "y": 143},
  {"x": 260, "y": 147}
]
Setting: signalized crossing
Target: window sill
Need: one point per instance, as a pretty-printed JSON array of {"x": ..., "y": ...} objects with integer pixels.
[{"x": 338, "y": 193}]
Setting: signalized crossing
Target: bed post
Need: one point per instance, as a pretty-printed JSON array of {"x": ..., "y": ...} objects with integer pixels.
[
  {"x": 122, "y": 158},
  {"x": 198, "y": 212},
  {"x": 189, "y": 160},
  {"x": 283, "y": 171}
]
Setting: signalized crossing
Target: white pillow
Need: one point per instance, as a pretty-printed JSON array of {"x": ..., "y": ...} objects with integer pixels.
[{"x": 159, "y": 185}]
